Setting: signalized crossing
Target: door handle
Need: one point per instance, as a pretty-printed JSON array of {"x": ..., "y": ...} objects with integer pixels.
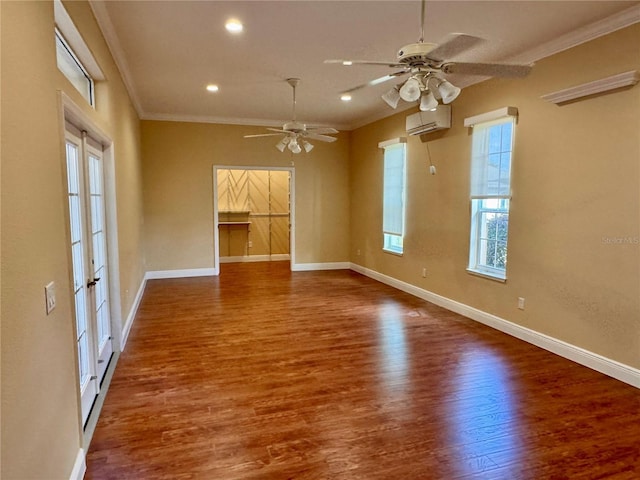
[{"x": 91, "y": 283}]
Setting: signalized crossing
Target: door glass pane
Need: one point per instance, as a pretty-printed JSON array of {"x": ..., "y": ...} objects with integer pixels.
[
  {"x": 77, "y": 256},
  {"x": 103, "y": 330},
  {"x": 83, "y": 361},
  {"x": 78, "y": 266},
  {"x": 74, "y": 214},
  {"x": 72, "y": 168}
]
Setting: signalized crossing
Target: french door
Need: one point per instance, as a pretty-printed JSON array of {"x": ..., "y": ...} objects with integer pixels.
[{"x": 89, "y": 257}]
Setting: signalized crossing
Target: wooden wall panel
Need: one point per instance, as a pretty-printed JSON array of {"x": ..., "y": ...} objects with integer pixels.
[
  {"x": 279, "y": 235},
  {"x": 263, "y": 196}
]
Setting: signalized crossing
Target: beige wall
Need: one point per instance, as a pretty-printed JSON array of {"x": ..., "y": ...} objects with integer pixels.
[
  {"x": 41, "y": 431},
  {"x": 576, "y": 182},
  {"x": 178, "y": 191}
]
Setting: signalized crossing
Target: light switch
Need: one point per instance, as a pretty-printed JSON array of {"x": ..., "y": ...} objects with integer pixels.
[{"x": 50, "y": 297}]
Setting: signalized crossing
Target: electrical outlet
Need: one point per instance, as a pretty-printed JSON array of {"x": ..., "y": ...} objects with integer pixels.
[
  {"x": 424, "y": 272},
  {"x": 250, "y": 244},
  {"x": 521, "y": 303},
  {"x": 358, "y": 252},
  {"x": 50, "y": 297}
]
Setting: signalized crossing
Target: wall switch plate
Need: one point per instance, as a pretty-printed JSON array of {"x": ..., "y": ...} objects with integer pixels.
[
  {"x": 521, "y": 303},
  {"x": 424, "y": 272},
  {"x": 50, "y": 297}
]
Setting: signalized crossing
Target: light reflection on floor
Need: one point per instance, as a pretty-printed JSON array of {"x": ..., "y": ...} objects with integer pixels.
[
  {"x": 394, "y": 366},
  {"x": 483, "y": 413}
]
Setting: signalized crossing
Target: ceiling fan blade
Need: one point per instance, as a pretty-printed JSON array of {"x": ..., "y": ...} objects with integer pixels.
[
  {"x": 488, "y": 69},
  {"x": 322, "y": 138},
  {"x": 277, "y": 130},
  {"x": 263, "y": 135},
  {"x": 452, "y": 45},
  {"x": 366, "y": 62},
  {"x": 322, "y": 130},
  {"x": 377, "y": 81}
]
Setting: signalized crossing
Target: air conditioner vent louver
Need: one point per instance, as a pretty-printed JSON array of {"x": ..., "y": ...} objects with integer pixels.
[{"x": 431, "y": 121}]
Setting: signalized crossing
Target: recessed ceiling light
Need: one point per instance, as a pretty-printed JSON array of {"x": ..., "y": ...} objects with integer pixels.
[
  {"x": 345, "y": 97},
  {"x": 212, "y": 88},
  {"x": 233, "y": 26}
]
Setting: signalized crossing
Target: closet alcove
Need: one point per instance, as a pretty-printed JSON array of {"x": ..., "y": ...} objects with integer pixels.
[{"x": 253, "y": 215}]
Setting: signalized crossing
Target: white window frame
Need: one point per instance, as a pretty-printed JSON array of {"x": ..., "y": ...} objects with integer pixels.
[
  {"x": 478, "y": 239},
  {"x": 393, "y": 235},
  {"x": 489, "y": 198},
  {"x": 77, "y": 49},
  {"x": 74, "y": 70}
]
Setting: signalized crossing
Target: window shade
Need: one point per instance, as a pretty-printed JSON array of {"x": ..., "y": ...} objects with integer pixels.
[
  {"x": 393, "y": 193},
  {"x": 491, "y": 159}
]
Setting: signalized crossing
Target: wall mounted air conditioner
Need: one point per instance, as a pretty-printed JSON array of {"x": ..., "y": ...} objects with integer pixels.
[{"x": 430, "y": 121}]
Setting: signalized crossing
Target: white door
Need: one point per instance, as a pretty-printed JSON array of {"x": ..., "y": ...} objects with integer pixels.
[{"x": 89, "y": 257}]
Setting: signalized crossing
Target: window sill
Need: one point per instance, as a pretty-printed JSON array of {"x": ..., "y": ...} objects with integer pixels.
[
  {"x": 486, "y": 275},
  {"x": 397, "y": 254}
]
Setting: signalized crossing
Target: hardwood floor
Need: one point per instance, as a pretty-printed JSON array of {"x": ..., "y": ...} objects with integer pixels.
[{"x": 266, "y": 374}]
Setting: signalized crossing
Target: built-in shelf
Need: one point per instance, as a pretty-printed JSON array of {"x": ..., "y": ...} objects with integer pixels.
[
  {"x": 234, "y": 217},
  {"x": 620, "y": 80}
]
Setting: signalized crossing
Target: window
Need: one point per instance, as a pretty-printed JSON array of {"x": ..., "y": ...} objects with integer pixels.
[
  {"x": 69, "y": 64},
  {"x": 74, "y": 58},
  {"x": 491, "y": 156},
  {"x": 393, "y": 195}
]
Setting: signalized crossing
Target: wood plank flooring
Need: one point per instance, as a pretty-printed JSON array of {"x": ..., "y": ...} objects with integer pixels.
[{"x": 262, "y": 373}]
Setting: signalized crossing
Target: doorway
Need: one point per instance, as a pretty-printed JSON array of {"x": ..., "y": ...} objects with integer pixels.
[
  {"x": 253, "y": 214},
  {"x": 89, "y": 257}
]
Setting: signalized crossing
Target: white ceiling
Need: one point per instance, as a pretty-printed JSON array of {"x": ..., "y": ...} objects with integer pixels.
[{"x": 168, "y": 51}]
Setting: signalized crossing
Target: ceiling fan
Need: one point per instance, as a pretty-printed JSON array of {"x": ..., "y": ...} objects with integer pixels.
[
  {"x": 426, "y": 63},
  {"x": 296, "y": 133}
]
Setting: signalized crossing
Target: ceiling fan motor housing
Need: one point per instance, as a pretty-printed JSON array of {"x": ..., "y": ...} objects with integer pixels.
[
  {"x": 415, "y": 53},
  {"x": 295, "y": 127}
]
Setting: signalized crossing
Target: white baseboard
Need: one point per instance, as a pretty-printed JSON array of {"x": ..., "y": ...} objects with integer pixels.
[
  {"x": 255, "y": 258},
  {"x": 612, "y": 368},
  {"x": 191, "y": 272},
  {"x": 79, "y": 467},
  {"x": 307, "y": 267},
  {"x": 124, "y": 335}
]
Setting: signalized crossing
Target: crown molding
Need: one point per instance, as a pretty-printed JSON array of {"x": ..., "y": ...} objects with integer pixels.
[
  {"x": 608, "y": 25},
  {"x": 257, "y": 122},
  {"x": 117, "y": 53}
]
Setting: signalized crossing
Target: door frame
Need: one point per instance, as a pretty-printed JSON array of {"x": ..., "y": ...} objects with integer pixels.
[
  {"x": 292, "y": 209},
  {"x": 70, "y": 112}
]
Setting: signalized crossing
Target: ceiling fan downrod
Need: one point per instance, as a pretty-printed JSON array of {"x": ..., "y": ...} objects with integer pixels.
[
  {"x": 422, "y": 22},
  {"x": 294, "y": 83}
]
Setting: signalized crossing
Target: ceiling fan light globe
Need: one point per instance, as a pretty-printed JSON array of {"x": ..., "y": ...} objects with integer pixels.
[
  {"x": 307, "y": 146},
  {"x": 428, "y": 102},
  {"x": 448, "y": 92},
  {"x": 282, "y": 144},
  {"x": 410, "y": 91},
  {"x": 294, "y": 147},
  {"x": 392, "y": 97}
]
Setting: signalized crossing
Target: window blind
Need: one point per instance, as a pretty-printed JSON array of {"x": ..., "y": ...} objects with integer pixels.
[
  {"x": 491, "y": 159},
  {"x": 393, "y": 193}
]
